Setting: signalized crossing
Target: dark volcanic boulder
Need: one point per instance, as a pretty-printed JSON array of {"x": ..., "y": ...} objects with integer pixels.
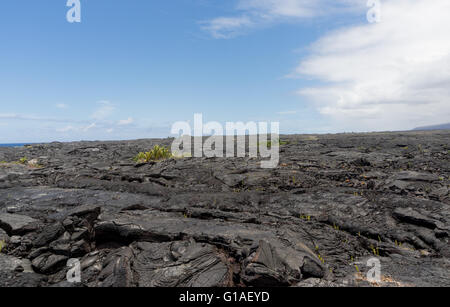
[
  {"x": 49, "y": 234},
  {"x": 48, "y": 263},
  {"x": 180, "y": 264},
  {"x": 16, "y": 224}
]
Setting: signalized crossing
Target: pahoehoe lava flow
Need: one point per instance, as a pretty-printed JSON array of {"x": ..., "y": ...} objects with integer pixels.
[{"x": 333, "y": 202}]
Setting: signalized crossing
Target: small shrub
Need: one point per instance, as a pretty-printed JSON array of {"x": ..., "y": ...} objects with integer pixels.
[
  {"x": 23, "y": 160},
  {"x": 158, "y": 153}
]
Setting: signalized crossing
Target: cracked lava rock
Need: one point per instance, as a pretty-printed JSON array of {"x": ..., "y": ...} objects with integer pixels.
[{"x": 333, "y": 203}]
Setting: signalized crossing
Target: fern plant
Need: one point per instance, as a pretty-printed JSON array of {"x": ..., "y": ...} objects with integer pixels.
[{"x": 158, "y": 153}]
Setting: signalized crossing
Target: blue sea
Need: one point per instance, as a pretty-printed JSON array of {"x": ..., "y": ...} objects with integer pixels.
[{"x": 13, "y": 145}]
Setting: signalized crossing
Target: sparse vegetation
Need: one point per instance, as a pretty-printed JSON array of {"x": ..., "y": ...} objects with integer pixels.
[
  {"x": 399, "y": 244},
  {"x": 375, "y": 251},
  {"x": 312, "y": 138},
  {"x": 158, "y": 153},
  {"x": 305, "y": 217},
  {"x": 270, "y": 143},
  {"x": 22, "y": 161},
  {"x": 178, "y": 155},
  {"x": 321, "y": 258}
]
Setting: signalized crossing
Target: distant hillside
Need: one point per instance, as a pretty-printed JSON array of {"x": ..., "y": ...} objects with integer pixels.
[{"x": 436, "y": 127}]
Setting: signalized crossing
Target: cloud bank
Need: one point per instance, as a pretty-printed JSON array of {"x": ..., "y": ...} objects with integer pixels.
[{"x": 390, "y": 75}]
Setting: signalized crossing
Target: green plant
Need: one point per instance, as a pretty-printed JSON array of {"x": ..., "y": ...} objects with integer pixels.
[
  {"x": 321, "y": 258},
  {"x": 23, "y": 160},
  {"x": 158, "y": 153},
  {"x": 305, "y": 217},
  {"x": 2, "y": 245},
  {"x": 399, "y": 244},
  {"x": 375, "y": 251}
]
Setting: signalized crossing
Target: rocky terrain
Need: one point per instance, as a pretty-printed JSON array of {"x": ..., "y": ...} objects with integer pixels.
[{"x": 334, "y": 202}]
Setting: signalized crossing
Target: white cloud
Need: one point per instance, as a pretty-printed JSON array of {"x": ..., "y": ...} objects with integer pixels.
[
  {"x": 255, "y": 13},
  {"x": 287, "y": 113},
  {"x": 125, "y": 122},
  {"x": 226, "y": 27},
  {"x": 71, "y": 128},
  {"x": 105, "y": 110},
  {"x": 280, "y": 8},
  {"x": 26, "y": 117},
  {"x": 66, "y": 129},
  {"x": 88, "y": 127},
  {"x": 62, "y": 106},
  {"x": 390, "y": 75}
]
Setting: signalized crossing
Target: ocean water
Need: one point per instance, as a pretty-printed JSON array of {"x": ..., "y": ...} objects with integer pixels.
[{"x": 13, "y": 145}]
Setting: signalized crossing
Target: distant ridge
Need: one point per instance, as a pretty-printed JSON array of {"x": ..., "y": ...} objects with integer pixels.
[{"x": 435, "y": 127}]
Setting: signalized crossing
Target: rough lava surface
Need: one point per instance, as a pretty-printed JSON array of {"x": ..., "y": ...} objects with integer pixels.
[{"x": 333, "y": 203}]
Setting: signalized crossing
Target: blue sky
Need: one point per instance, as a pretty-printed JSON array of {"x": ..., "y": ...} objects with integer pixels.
[{"x": 132, "y": 68}]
